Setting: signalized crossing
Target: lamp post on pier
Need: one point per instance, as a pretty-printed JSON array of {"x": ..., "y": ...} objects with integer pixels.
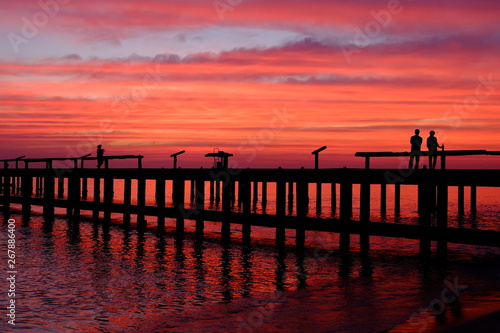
[{"x": 175, "y": 157}]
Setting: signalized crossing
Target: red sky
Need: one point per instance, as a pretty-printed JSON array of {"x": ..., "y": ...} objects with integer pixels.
[{"x": 269, "y": 81}]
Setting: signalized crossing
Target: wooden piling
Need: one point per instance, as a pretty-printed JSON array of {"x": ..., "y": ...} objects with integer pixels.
[
  {"x": 160, "y": 202},
  {"x": 74, "y": 197},
  {"x": 364, "y": 236},
  {"x": 48, "y": 196},
  {"x": 212, "y": 195},
  {"x": 226, "y": 195},
  {"x": 178, "y": 196},
  {"x": 217, "y": 191},
  {"x": 397, "y": 199},
  {"x": 302, "y": 208},
  {"x": 27, "y": 191},
  {"x": 84, "y": 188},
  {"x": 318, "y": 198},
  {"x": 461, "y": 201},
  {"x": 60, "y": 187},
  {"x": 200, "y": 205},
  {"x": 334, "y": 198},
  {"x": 255, "y": 192},
  {"x": 127, "y": 198},
  {"x": 442, "y": 220},
  {"x": 290, "y": 196},
  {"x": 97, "y": 198},
  {"x": 246, "y": 198},
  {"x": 108, "y": 198},
  {"x": 141, "y": 203},
  {"x": 264, "y": 196},
  {"x": 192, "y": 190},
  {"x": 345, "y": 215},
  {"x": 383, "y": 199},
  {"x": 426, "y": 203},
  {"x": 6, "y": 194},
  {"x": 473, "y": 199},
  {"x": 280, "y": 210}
]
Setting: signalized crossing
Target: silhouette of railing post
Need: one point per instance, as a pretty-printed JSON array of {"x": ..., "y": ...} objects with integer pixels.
[
  {"x": 364, "y": 236},
  {"x": 255, "y": 192},
  {"x": 192, "y": 188},
  {"x": 345, "y": 214},
  {"x": 280, "y": 209},
  {"x": 442, "y": 219},
  {"x": 212, "y": 187},
  {"x": 97, "y": 197},
  {"x": 48, "y": 195},
  {"x": 217, "y": 191},
  {"x": 127, "y": 199},
  {"x": 141, "y": 203},
  {"x": 160, "y": 203},
  {"x": 443, "y": 158}
]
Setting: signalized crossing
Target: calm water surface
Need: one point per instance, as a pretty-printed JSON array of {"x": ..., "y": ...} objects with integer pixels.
[{"x": 88, "y": 279}]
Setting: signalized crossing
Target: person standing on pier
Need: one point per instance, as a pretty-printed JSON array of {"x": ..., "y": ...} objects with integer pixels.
[
  {"x": 416, "y": 143},
  {"x": 432, "y": 145},
  {"x": 100, "y": 156}
]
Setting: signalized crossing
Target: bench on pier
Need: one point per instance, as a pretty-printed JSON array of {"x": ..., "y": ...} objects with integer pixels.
[
  {"x": 442, "y": 153},
  {"x": 49, "y": 161}
]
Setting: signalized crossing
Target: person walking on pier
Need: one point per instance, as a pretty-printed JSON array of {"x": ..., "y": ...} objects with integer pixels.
[
  {"x": 416, "y": 143},
  {"x": 432, "y": 145},
  {"x": 100, "y": 156}
]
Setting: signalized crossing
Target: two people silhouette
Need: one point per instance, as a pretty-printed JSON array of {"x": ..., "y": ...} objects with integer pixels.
[{"x": 432, "y": 146}]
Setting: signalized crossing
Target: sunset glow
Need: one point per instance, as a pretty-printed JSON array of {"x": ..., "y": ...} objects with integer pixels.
[{"x": 268, "y": 81}]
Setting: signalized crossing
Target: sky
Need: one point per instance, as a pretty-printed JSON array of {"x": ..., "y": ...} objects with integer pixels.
[{"x": 268, "y": 81}]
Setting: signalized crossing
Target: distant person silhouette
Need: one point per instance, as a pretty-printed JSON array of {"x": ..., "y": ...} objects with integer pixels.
[
  {"x": 432, "y": 145},
  {"x": 100, "y": 156},
  {"x": 416, "y": 143}
]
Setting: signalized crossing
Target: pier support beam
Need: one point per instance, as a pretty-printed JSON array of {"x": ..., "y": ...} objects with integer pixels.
[
  {"x": 6, "y": 194},
  {"x": 48, "y": 196},
  {"x": 264, "y": 197},
  {"x": 397, "y": 199},
  {"x": 442, "y": 220},
  {"x": 200, "y": 206},
  {"x": 127, "y": 198},
  {"x": 27, "y": 191},
  {"x": 280, "y": 211},
  {"x": 364, "y": 236},
  {"x": 473, "y": 199},
  {"x": 60, "y": 187},
  {"x": 160, "y": 202},
  {"x": 461, "y": 201},
  {"x": 426, "y": 204},
  {"x": 345, "y": 215},
  {"x": 246, "y": 201},
  {"x": 84, "y": 188},
  {"x": 383, "y": 199},
  {"x": 178, "y": 196},
  {"x": 302, "y": 208},
  {"x": 318, "y": 198},
  {"x": 141, "y": 203},
  {"x": 108, "y": 198},
  {"x": 97, "y": 198},
  {"x": 334, "y": 198},
  {"x": 290, "y": 197}
]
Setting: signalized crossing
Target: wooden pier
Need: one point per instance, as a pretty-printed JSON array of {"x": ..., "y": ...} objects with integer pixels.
[{"x": 232, "y": 189}]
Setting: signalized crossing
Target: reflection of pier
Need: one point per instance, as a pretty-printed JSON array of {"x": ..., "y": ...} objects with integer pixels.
[{"x": 225, "y": 185}]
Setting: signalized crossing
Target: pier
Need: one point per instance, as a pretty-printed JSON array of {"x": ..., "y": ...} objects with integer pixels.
[{"x": 230, "y": 195}]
